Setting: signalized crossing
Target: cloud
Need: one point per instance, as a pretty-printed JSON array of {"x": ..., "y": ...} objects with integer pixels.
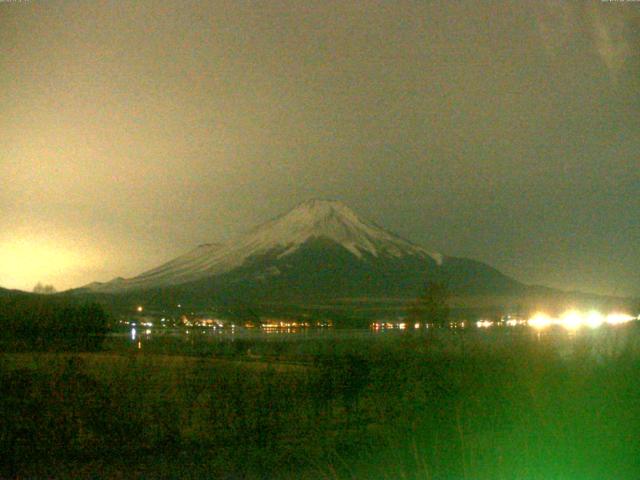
[
  {"x": 611, "y": 29},
  {"x": 607, "y": 27}
]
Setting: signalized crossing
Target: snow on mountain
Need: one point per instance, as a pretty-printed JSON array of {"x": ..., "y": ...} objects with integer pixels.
[{"x": 283, "y": 235}]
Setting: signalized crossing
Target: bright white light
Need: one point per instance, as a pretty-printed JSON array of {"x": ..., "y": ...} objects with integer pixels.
[
  {"x": 133, "y": 334},
  {"x": 484, "y": 324},
  {"x": 139, "y": 309},
  {"x": 571, "y": 320},
  {"x": 540, "y": 321},
  {"x": 594, "y": 319},
  {"x": 618, "y": 318}
]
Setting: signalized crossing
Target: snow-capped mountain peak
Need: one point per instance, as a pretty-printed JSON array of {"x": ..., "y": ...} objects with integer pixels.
[
  {"x": 335, "y": 221},
  {"x": 313, "y": 219}
]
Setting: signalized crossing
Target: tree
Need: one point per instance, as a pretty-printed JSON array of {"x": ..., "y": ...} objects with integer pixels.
[
  {"x": 51, "y": 323},
  {"x": 44, "y": 289},
  {"x": 432, "y": 306}
]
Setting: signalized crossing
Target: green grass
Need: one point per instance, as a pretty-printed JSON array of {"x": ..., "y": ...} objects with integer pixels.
[{"x": 395, "y": 407}]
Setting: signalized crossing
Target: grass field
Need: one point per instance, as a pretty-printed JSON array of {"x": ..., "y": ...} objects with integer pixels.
[{"x": 403, "y": 407}]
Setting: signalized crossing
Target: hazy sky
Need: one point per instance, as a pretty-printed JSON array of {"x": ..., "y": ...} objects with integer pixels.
[{"x": 507, "y": 132}]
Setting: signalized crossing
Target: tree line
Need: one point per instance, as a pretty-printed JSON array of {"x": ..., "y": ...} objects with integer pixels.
[{"x": 39, "y": 322}]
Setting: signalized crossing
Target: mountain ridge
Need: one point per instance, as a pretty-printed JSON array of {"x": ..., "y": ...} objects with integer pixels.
[
  {"x": 321, "y": 257},
  {"x": 285, "y": 233}
]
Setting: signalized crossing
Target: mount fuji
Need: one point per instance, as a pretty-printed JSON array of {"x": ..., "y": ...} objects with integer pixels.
[{"x": 319, "y": 250}]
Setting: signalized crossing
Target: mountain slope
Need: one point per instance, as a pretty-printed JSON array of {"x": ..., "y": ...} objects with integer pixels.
[
  {"x": 278, "y": 238},
  {"x": 319, "y": 250}
]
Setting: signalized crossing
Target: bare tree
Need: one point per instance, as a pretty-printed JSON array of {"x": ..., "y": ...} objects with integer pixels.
[
  {"x": 44, "y": 289},
  {"x": 432, "y": 306}
]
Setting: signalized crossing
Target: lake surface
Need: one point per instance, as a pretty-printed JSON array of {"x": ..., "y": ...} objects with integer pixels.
[{"x": 601, "y": 342}]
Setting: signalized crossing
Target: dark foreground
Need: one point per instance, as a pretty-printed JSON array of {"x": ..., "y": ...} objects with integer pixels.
[{"x": 417, "y": 406}]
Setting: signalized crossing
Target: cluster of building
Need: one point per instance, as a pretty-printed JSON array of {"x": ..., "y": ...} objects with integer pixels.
[{"x": 141, "y": 318}]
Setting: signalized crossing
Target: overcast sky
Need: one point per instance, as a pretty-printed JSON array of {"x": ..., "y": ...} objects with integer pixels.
[{"x": 508, "y": 132}]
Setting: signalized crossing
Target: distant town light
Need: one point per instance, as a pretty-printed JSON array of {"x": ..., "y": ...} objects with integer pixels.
[
  {"x": 618, "y": 318},
  {"x": 139, "y": 309},
  {"x": 594, "y": 319},
  {"x": 540, "y": 321},
  {"x": 571, "y": 320}
]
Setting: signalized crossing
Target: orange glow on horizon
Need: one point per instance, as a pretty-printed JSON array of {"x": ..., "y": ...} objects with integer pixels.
[{"x": 27, "y": 261}]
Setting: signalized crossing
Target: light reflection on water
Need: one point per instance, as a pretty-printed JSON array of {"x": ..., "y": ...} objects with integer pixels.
[
  {"x": 606, "y": 340},
  {"x": 602, "y": 343}
]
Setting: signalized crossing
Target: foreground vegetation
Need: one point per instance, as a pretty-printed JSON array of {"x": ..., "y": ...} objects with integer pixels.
[
  {"x": 44, "y": 322},
  {"x": 404, "y": 407}
]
